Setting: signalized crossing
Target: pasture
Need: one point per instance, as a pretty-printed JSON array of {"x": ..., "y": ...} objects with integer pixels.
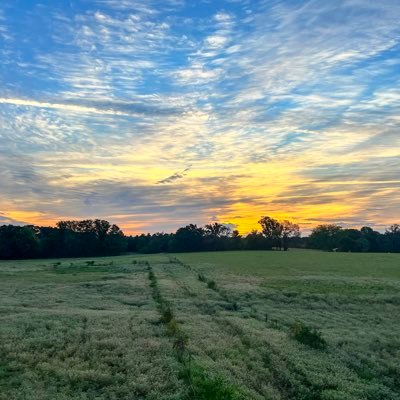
[{"x": 229, "y": 325}]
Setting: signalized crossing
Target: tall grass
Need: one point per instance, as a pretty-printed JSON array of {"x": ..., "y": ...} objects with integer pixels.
[{"x": 69, "y": 330}]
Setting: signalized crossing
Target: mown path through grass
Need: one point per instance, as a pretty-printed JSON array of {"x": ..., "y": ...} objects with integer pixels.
[{"x": 200, "y": 383}]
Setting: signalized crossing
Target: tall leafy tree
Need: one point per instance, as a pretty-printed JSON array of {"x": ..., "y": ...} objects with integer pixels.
[
  {"x": 188, "y": 238},
  {"x": 272, "y": 230},
  {"x": 325, "y": 237},
  {"x": 393, "y": 236},
  {"x": 217, "y": 230},
  {"x": 289, "y": 230},
  {"x": 18, "y": 242}
]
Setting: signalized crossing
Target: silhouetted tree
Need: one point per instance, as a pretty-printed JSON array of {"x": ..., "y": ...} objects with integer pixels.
[
  {"x": 91, "y": 237},
  {"x": 393, "y": 238},
  {"x": 98, "y": 237},
  {"x": 51, "y": 243},
  {"x": 372, "y": 237},
  {"x": 325, "y": 237},
  {"x": 351, "y": 240},
  {"x": 289, "y": 230},
  {"x": 272, "y": 230},
  {"x": 18, "y": 242},
  {"x": 236, "y": 241},
  {"x": 216, "y": 236},
  {"x": 216, "y": 229},
  {"x": 256, "y": 241},
  {"x": 188, "y": 238},
  {"x": 278, "y": 233}
]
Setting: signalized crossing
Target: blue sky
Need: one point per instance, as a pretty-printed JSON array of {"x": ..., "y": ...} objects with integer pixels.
[{"x": 155, "y": 114}]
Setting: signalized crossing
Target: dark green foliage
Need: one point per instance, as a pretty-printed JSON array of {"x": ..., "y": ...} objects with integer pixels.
[
  {"x": 188, "y": 238},
  {"x": 18, "y": 242},
  {"x": 256, "y": 241},
  {"x": 306, "y": 335},
  {"x": 89, "y": 237},
  {"x": 180, "y": 346},
  {"x": 272, "y": 231},
  {"x": 212, "y": 285},
  {"x": 97, "y": 237},
  {"x": 173, "y": 327},
  {"x": 201, "y": 277},
  {"x": 278, "y": 233},
  {"x": 334, "y": 238},
  {"x": 325, "y": 237},
  {"x": 151, "y": 276},
  {"x": 235, "y": 306},
  {"x": 207, "y": 387},
  {"x": 70, "y": 239},
  {"x": 393, "y": 238},
  {"x": 147, "y": 243},
  {"x": 275, "y": 235},
  {"x": 217, "y": 237},
  {"x": 167, "y": 314}
]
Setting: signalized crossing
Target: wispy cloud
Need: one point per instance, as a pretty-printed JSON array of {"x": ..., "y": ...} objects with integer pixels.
[
  {"x": 288, "y": 108},
  {"x": 103, "y": 108},
  {"x": 4, "y": 31},
  {"x": 175, "y": 176}
]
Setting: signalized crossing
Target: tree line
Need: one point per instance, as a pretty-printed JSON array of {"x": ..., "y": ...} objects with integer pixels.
[
  {"x": 334, "y": 238},
  {"x": 68, "y": 239},
  {"x": 97, "y": 237},
  {"x": 212, "y": 237}
]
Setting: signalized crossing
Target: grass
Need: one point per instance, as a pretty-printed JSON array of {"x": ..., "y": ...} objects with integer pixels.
[
  {"x": 299, "y": 263},
  {"x": 304, "y": 334},
  {"x": 233, "y": 325}
]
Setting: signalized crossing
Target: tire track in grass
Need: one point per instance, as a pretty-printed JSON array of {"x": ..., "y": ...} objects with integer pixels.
[
  {"x": 312, "y": 339},
  {"x": 291, "y": 381},
  {"x": 121, "y": 365},
  {"x": 283, "y": 382},
  {"x": 228, "y": 327},
  {"x": 231, "y": 304},
  {"x": 201, "y": 386}
]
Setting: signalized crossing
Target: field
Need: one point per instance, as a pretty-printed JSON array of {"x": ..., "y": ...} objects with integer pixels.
[{"x": 235, "y": 325}]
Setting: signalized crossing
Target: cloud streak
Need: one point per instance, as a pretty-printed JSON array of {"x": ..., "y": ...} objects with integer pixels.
[
  {"x": 115, "y": 109},
  {"x": 174, "y": 177}
]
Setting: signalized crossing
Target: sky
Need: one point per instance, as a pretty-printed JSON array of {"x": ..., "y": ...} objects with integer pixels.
[{"x": 155, "y": 114}]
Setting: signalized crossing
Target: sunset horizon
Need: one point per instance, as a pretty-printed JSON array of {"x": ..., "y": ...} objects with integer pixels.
[{"x": 199, "y": 200}]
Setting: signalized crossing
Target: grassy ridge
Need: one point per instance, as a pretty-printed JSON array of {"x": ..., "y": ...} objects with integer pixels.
[{"x": 257, "y": 325}]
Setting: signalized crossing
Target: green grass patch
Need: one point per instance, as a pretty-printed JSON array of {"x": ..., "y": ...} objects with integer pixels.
[
  {"x": 105, "y": 328},
  {"x": 306, "y": 335}
]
